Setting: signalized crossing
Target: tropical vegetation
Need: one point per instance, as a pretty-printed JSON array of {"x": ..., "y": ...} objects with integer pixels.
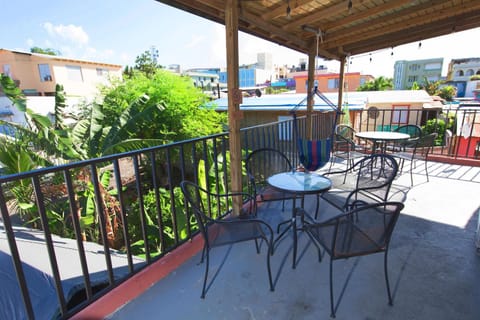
[
  {"x": 378, "y": 84},
  {"x": 147, "y": 108}
]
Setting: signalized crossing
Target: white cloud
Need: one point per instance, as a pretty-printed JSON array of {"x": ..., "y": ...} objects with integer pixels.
[
  {"x": 30, "y": 42},
  {"x": 70, "y": 33}
]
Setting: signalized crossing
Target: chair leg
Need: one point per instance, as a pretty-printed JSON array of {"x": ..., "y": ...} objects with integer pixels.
[
  {"x": 206, "y": 273},
  {"x": 269, "y": 253},
  {"x": 390, "y": 301},
  {"x": 332, "y": 308},
  {"x": 411, "y": 172},
  {"x": 426, "y": 168},
  {"x": 257, "y": 246},
  {"x": 203, "y": 253},
  {"x": 318, "y": 206}
]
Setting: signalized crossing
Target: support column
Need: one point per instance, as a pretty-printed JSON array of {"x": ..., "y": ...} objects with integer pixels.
[
  {"x": 341, "y": 82},
  {"x": 234, "y": 100}
]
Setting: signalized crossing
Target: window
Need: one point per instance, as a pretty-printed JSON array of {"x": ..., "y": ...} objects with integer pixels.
[
  {"x": 413, "y": 67},
  {"x": 6, "y": 70},
  {"x": 459, "y": 73},
  {"x": 102, "y": 72},
  {"x": 74, "y": 73},
  {"x": 433, "y": 66},
  {"x": 400, "y": 114},
  {"x": 333, "y": 83},
  {"x": 412, "y": 79},
  {"x": 469, "y": 72},
  {"x": 44, "y": 71}
]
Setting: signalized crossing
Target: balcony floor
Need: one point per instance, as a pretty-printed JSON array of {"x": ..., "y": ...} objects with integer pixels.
[{"x": 433, "y": 266}]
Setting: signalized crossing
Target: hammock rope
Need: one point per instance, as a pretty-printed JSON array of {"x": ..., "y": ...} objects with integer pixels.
[{"x": 314, "y": 154}]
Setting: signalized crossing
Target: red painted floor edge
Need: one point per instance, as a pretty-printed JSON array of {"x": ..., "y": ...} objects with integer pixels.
[
  {"x": 140, "y": 282},
  {"x": 452, "y": 160}
]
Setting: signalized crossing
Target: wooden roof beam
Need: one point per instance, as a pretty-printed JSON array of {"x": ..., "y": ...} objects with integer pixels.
[
  {"x": 371, "y": 30},
  {"x": 281, "y": 9}
]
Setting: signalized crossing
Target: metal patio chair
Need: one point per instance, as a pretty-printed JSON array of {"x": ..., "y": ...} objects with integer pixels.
[
  {"x": 365, "y": 230},
  {"x": 261, "y": 164},
  {"x": 218, "y": 227},
  {"x": 368, "y": 181},
  {"x": 419, "y": 149}
]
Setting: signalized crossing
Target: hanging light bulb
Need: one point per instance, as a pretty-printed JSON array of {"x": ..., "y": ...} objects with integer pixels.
[
  {"x": 289, "y": 10},
  {"x": 420, "y": 45},
  {"x": 350, "y": 5},
  {"x": 370, "y": 57}
]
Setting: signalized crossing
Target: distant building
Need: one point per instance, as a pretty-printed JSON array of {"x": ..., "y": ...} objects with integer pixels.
[
  {"x": 330, "y": 82},
  {"x": 463, "y": 69},
  {"x": 37, "y": 74},
  {"x": 459, "y": 73},
  {"x": 204, "y": 78},
  {"x": 258, "y": 73},
  {"x": 406, "y": 73}
]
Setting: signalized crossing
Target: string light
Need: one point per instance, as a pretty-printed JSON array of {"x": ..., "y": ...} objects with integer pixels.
[
  {"x": 350, "y": 5},
  {"x": 289, "y": 10},
  {"x": 370, "y": 57},
  {"x": 420, "y": 45}
]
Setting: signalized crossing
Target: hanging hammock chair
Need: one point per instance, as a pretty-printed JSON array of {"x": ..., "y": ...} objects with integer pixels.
[{"x": 314, "y": 154}]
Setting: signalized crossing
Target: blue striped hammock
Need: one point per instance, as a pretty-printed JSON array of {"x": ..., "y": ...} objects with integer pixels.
[{"x": 314, "y": 154}]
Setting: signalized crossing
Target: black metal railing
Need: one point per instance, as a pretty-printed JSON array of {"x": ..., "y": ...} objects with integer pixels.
[
  {"x": 458, "y": 127},
  {"x": 127, "y": 209}
]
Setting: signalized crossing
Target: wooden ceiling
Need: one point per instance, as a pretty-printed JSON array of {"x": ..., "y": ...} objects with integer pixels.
[{"x": 345, "y": 27}]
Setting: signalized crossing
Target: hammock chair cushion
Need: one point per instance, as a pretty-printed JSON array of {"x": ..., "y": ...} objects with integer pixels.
[{"x": 314, "y": 154}]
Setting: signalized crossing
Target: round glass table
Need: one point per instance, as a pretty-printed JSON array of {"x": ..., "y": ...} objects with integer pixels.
[{"x": 300, "y": 184}]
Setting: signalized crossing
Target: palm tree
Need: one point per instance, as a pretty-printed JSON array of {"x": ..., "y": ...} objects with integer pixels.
[{"x": 378, "y": 84}]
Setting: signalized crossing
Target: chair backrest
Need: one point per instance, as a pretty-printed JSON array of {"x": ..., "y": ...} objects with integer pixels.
[
  {"x": 345, "y": 131},
  {"x": 413, "y": 130},
  {"x": 425, "y": 143},
  {"x": 263, "y": 163},
  {"x": 197, "y": 198},
  {"x": 374, "y": 176},
  {"x": 364, "y": 230}
]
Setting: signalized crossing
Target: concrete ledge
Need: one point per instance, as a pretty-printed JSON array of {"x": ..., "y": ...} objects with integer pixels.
[{"x": 140, "y": 282}]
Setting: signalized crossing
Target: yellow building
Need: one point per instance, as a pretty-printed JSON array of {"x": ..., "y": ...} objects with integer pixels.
[{"x": 37, "y": 74}]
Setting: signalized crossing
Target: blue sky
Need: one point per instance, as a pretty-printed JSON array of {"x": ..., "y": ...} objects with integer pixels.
[{"x": 116, "y": 31}]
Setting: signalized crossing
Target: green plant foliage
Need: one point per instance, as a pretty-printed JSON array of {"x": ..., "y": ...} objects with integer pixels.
[
  {"x": 439, "y": 126},
  {"x": 169, "y": 223},
  {"x": 183, "y": 116},
  {"x": 447, "y": 92},
  {"x": 95, "y": 138},
  {"x": 378, "y": 84}
]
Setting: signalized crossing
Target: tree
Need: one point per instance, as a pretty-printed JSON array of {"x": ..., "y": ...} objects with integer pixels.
[
  {"x": 146, "y": 64},
  {"x": 183, "y": 116},
  {"x": 415, "y": 86},
  {"x": 448, "y": 92},
  {"x": 431, "y": 86},
  {"x": 378, "y": 84},
  {"x": 49, "y": 51},
  {"x": 94, "y": 137}
]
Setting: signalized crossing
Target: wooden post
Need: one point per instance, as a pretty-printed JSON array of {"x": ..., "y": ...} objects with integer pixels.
[
  {"x": 341, "y": 83},
  {"x": 234, "y": 100}
]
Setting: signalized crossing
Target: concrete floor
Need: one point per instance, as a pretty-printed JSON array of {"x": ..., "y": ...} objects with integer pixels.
[{"x": 433, "y": 267}]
